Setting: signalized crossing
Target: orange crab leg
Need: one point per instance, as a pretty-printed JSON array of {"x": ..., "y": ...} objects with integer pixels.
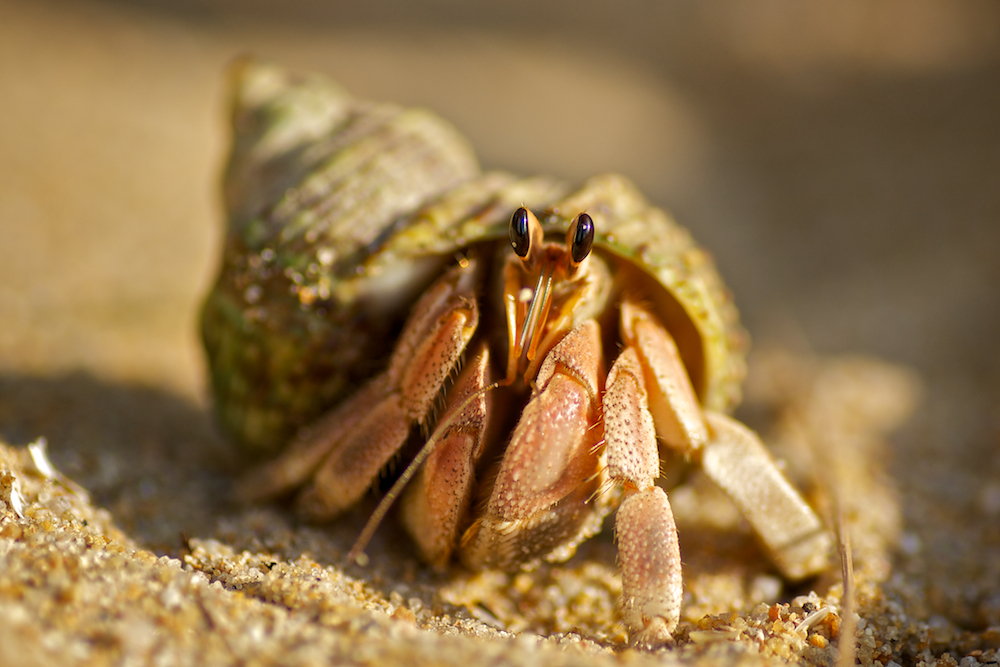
[
  {"x": 552, "y": 466},
  {"x": 647, "y": 536},
  {"x": 650, "y": 557},
  {"x": 673, "y": 404},
  {"x": 298, "y": 463},
  {"x": 437, "y": 500},
  {"x": 357, "y": 439},
  {"x": 648, "y": 394},
  {"x": 731, "y": 455}
]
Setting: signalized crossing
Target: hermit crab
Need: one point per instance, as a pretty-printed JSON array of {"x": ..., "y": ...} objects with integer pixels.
[{"x": 525, "y": 352}]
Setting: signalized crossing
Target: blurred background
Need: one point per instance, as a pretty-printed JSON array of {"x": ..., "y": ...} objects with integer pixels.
[{"x": 841, "y": 161}]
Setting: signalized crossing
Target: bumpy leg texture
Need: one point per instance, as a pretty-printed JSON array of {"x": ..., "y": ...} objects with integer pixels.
[
  {"x": 671, "y": 399},
  {"x": 647, "y": 537},
  {"x": 313, "y": 445},
  {"x": 648, "y": 385},
  {"x": 651, "y": 567},
  {"x": 538, "y": 507}
]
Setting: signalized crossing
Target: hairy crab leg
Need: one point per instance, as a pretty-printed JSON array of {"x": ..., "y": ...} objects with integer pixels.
[
  {"x": 538, "y": 506},
  {"x": 437, "y": 500},
  {"x": 649, "y": 393},
  {"x": 731, "y": 455},
  {"x": 648, "y": 550},
  {"x": 355, "y": 442}
]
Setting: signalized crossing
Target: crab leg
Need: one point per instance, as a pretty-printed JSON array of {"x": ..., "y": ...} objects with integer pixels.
[
  {"x": 730, "y": 454},
  {"x": 438, "y": 498},
  {"x": 538, "y": 506},
  {"x": 649, "y": 393},
  {"x": 673, "y": 404},
  {"x": 736, "y": 460},
  {"x": 648, "y": 550},
  {"x": 352, "y": 444}
]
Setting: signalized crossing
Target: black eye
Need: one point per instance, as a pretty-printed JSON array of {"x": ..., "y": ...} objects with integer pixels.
[
  {"x": 520, "y": 238},
  {"x": 582, "y": 238}
]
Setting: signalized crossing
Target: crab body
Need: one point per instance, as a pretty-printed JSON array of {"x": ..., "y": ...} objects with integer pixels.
[{"x": 372, "y": 274}]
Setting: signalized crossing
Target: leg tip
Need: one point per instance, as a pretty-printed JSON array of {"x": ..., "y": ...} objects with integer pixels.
[{"x": 657, "y": 632}]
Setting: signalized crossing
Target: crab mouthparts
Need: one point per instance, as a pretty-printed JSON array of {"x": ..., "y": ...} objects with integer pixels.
[{"x": 526, "y": 345}]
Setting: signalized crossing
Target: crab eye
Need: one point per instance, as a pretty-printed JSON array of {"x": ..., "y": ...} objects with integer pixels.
[
  {"x": 520, "y": 236},
  {"x": 580, "y": 237}
]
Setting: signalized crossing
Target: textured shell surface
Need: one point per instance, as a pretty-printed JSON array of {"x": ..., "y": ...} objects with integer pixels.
[{"x": 341, "y": 211}]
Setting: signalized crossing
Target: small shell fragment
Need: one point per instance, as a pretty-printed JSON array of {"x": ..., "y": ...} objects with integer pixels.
[{"x": 10, "y": 492}]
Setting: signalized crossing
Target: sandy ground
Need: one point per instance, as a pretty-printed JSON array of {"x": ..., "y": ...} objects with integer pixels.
[{"x": 840, "y": 162}]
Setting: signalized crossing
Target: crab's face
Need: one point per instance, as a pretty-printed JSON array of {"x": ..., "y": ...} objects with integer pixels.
[
  {"x": 572, "y": 350},
  {"x": 548, "y": 289}
]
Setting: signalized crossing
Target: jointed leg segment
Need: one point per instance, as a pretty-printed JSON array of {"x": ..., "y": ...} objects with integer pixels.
[
  {"x": 436, "y": 501},
  {"x": 551, "y": 467},
  {"x": 547, "y": 494},
  {"x": 647, "y": 393},
  {"x": 648, "y": 550},
  {"x": 348, "y": 448}
]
